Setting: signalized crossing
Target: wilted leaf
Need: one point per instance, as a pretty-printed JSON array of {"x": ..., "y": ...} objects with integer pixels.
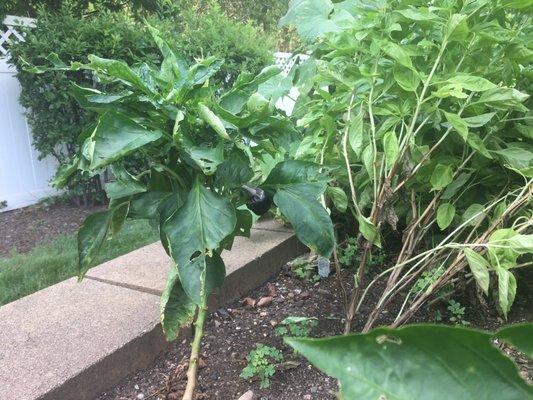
[
  {"x": 506, "y": 289},
  {"x": 480, "y": 269},
  {"x": 177, "y": 310},
  {"x": 369, "y": 231}
]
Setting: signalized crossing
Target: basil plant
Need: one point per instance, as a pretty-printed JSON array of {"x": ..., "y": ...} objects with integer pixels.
[{"x": 199, "y": 148}]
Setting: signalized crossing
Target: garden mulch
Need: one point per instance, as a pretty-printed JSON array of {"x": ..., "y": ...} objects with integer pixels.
[
  {"x": 24, "y": 228},
  {"x": 233, "y": 331}
]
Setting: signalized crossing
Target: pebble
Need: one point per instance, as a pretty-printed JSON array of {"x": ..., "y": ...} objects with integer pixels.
[
  {"x": 249, "y": 395},
  {"x": 140, "y": 396},
  {"x": 136, "y": 387},
  {"x": 307, "y": 397}
]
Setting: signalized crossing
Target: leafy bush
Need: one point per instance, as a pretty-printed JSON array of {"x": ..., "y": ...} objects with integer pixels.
[
  {"x": 423, "y": 116},
  {"x": 195, "y": 143},
  {"x": 440, "y": 362},
  {"x": 30, "y": 8},
  {"x": 56, "y": 117},
  {"x": 203, "y": 32},
  {"x": 262, "y": 364}
]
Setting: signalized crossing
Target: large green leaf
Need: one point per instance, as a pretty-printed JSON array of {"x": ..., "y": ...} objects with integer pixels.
[
  {"x": 309, "y": 218},
  {"x": 416, "y": 362},
  {"x": 194, "y": 231},
  {"x": 235, "y": 171},
  {"x": 391, "y": 148},
  {"x": 115, "y": 136},
  {"x": 406, "y": 78},
  {"x": 314, "y": 18},
  {"x": 208, "y": 158},
  {"x": 297, "y": 186},
  {"x": 396, "y": 52},
  {"x": 472, "y": 83},
  {"x": 338, "y": 197},
  {"x": 177, "y": 309},
  {"x": 91, "y": 235}
]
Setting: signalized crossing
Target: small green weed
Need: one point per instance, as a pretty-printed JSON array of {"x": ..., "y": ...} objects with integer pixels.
[
  {"x": 296, "y": 326},
  {"x": 262, "y": 364},
  {"x": 457, "y": 313},
  {"x": 305, "y": 270},
  {"x": 349, "y": 255}
]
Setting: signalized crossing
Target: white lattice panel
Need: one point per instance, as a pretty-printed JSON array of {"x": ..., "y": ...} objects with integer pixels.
[
  {"x": 23, "y": 177},
  {"x": 285, "y": 61},
  {"x": 10, "y": 32}
]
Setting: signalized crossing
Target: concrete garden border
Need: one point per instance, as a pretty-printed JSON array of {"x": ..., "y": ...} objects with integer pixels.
[{"x": 72, "y": 341}]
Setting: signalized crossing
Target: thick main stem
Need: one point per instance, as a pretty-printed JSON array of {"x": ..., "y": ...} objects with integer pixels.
[{"x": 192, "y": 372}]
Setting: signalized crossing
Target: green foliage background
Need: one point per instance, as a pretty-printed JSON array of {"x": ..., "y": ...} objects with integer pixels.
[{"x": 197, "y": 32}]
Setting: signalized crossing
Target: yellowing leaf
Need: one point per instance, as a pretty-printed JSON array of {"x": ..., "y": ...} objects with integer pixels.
[{"x": 480, "y": 269}]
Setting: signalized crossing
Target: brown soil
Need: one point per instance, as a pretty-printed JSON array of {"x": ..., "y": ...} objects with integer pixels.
[
  {"x": 27, "y": 227},
  {"x": 232, "y": 332}
]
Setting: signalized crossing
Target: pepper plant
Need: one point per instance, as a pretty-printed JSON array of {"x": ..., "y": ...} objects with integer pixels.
[
  {"x": 421, "y": 110},
  {"x": 200, "y": 146}
]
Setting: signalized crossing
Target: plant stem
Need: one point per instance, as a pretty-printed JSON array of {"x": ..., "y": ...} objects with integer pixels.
[{"x": 192, "y": 372}]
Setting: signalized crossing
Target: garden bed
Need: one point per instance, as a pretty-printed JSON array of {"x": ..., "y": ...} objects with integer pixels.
[
  {"x": 232, "y": 332},
  {"x": 25, "y": 228}
]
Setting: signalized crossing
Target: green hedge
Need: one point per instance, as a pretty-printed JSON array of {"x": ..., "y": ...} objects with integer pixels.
[{"x": 53, "y": 114}]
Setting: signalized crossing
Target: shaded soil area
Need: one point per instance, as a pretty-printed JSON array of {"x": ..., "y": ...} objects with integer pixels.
[
  {"x": 233, "y": 331},
  {"x": 27, "y": 227}
]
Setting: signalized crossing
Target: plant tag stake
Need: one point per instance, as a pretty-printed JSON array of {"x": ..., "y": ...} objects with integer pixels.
[{"x": 324, "y": 267}]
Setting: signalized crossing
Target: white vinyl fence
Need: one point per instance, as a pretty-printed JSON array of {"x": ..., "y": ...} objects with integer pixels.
[{"x": 23, "y": 178}]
